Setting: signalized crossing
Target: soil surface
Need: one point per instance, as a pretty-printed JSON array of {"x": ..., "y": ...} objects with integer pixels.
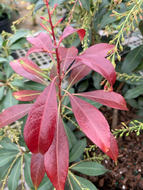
[{"x": 128, "y": 173}]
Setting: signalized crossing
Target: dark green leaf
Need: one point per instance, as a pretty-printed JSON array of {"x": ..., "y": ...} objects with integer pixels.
[
  {"x": 19, "y": 34},
  {"x": 90, "y": 168},
  {"x": 18, "y": 83},
  {"x": 53, "y": 2},
  {"x": 45, "y": 184},
  {"x": 9, "y": 100},
  {"x": 107, "y": 19},
  {"x": 7, "y": 144},
  {"x": 77, "y": 150},
  {"x": 1, "y": 76},
  {"x": 133, "y": 103},
  {"x": 132, "y": 60},
  {"x": 27, "y": 174},
  {"x": 140, "y": 113},
  {"x": 70, "y": 135},
  {"x": 33, "y": 86},
  {"x": 4, "y": 170},
  {"x": 97, "y": 78},
  {"x": 80, "y": 183},
  {"x": 15, "y": 175},
  {"x": 39, "y": 5},
  {"x": 133, "y": 93},
  {"x": 2, "y": 88},
  {"x": 66, "y": 99},
  {"x": 6, "y": 156},
  {"x": 79, "y": 134},
  {"x": 85, "y": 4},
  {"x": 83, "y": 86},
  {"x": 7, "y": 68}
]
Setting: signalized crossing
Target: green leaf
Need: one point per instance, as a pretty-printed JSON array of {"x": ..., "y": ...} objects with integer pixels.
[
  {"x": 97, "y": 78},
  {"x": 27, "y": 174},
  {"x": 2, "y": 60},
  {"x": 4, "y": 170},
  {"x": 90, "y": 168},
  {"x": 83, "y": 86},
  {"x": 66, "y": 100},
  {"x": 19, "y": 34},
  {"x": 45, "y": 184},
  {"x": 7, "y": 144},
  {"x": 7, "y": 68},
  {"x": 133, "y": 93},
  {"x": 107, "y": 19},
  {"x": 7, "y": 155},
  {"x": 80, "y": 183},
  {"x": 133, "y": 103},
  {"x": 77, "y": 150},
  {"x": 9, "y": 100},
  {"x": 18, "y": 83},
  {"x": 2, "y": 88},
  {"x": 53, "y": 2},
  {"x": 39, "y": 5},
  {"x": 33, "y": 86},
  {"x": 1, "y": 76},
  {"x": 85, "y": 4},
  {"x": 32, "y": 1},
  {"x": 16, "y": 46},
  {"x": 70, "y": 135},
  {"x": 15, "y": 175},
  {"x": 132, "y": 60},
  {"x": 79, "y": 134}
]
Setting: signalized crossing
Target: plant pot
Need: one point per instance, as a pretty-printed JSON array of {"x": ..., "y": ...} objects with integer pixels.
[{"x": 5, "y": 25}]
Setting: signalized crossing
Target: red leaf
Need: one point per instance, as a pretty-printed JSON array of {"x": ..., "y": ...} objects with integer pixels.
[
  {"x": 17, "y": 67},
  {"x": 14, "y": 113},
  {"x": 30, "y": 67},
  {"x": 111, "y": 99},
  {"x": 37, "y": 169},
  {"x": 82, "y": 70},
  {"x": 98, "y": 49},
  {"x": 26, "y": 95},
  {"x": 113, "y": 151},
  {"x": 67, "y": 52},
  {"x": 56, "y": 159},
  {"x": 34, "y": 49},
  {"x": 92, "y": 122},
  {"x": 78, "y": 73},
  {"x": 42, "y": 40},
  {"x": 70, "y": 30},
  {"x": 41, "y": 122},
  {"x": 100, "y": 65}
]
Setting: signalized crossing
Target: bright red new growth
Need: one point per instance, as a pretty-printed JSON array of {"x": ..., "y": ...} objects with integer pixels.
[{"x": 37, "y": 169}]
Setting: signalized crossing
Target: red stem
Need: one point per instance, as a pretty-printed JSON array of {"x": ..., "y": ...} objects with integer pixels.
[{"x": 57, "y": 53}]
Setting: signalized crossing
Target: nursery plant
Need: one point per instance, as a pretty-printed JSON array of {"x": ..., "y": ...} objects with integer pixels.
[{"x": 49, "y": 146}]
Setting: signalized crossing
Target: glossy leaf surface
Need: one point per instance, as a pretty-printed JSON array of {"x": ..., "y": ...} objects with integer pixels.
[
  {"x": 100, "y": 65},
  {"x": 111, "y": 99},
  {"x": 26, "y": 95},
  {"x": 17, "y": 67},
  {"x": 40, "y": 125},
  {"x": 56, "y": 159},
  {"x": 134, "y": 92},
  {"x": 89, "y": 168},
  {"x": 37, "y": 169},
  {"x": 70, "y": 30},
  {"x": 13, "y": 113},
  {"x": 41, "y": 40},
  {"x": 92, "y": 122},
  {"x": 67, "y": 52},
  {"x": 99, "y": 49},
  {"x": 113, "y": 151}
]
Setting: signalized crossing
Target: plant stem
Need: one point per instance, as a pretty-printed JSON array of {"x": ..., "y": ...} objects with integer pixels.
[{"x": 57, "y": 53}]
